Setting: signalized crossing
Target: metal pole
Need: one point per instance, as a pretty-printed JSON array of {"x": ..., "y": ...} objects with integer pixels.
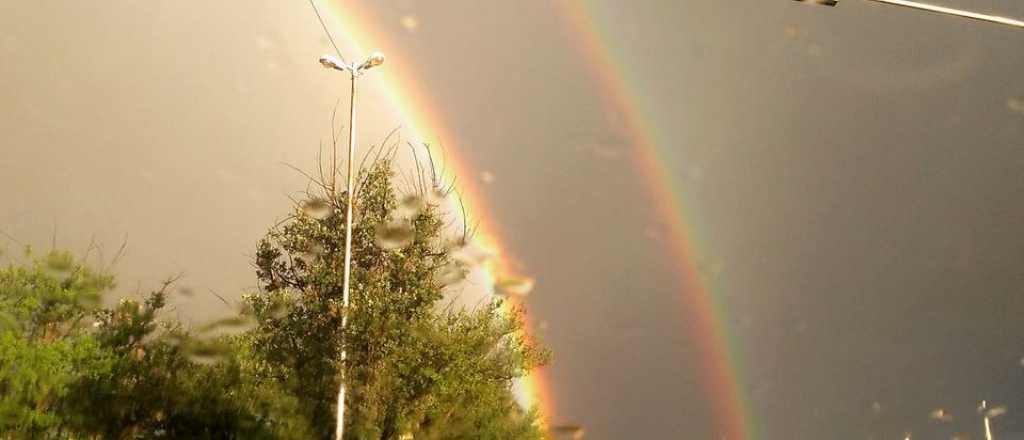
[
  {"x": 954, "y": 12},
  {"x": 988, "y": 429},
  {"x": 339, "y": 433}
]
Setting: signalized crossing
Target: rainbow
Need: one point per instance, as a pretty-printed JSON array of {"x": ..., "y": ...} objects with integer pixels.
[
  {"x": 414, "y": 107},
  {"x": 719, "y": 351},
  {"x": 705, "y": 310}
]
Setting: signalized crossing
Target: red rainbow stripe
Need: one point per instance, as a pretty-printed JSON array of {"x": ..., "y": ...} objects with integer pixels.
[{"x": 409, "y": 100}]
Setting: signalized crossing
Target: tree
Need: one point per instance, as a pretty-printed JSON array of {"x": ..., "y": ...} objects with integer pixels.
[
  {"x": 71, "y": 369},
  {"x": 411, "y": 368}
]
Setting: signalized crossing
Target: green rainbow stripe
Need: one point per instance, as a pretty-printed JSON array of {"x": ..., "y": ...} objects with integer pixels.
[
  {"x": 706, "y": 309},
  {"x": 413, "y": 105}
]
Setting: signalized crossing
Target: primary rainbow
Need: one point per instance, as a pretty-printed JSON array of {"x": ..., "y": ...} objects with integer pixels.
[
  {"x": 409, "y": 100},
  {"x": 705, "y": 309},
  {"x": 719, "y": 352}
]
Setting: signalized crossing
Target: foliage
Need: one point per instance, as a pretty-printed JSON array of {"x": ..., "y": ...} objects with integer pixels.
[
  {"x": 410, "y": 369},
  {"x": 71, "y": 367}
]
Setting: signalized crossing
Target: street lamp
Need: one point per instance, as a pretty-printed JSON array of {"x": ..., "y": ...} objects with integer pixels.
[
  {"x": 375, "y": 59},
  {"x": 933, "y": 8}
]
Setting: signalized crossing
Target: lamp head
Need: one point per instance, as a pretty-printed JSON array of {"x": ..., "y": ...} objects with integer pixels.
[
  {"x": 832, "y": 3},
  {"x": 330, "y": 62},
  {"x": 375, "y": 59}
]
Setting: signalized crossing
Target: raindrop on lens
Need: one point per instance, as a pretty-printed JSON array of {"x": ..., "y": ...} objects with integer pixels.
[
  {"x": 941, "y": 415},
  {"x": 574, "y": 432},
  {"x": 394, "y": 235},
  {"x": 205, "y": 352},
  {"x": 410, "y": 206},
  {"x": 520, "y": 286},
  {"x": 317, "y": 208},
  {"x": 995, "y": 412},
  {"x": 450, "y": 274}
]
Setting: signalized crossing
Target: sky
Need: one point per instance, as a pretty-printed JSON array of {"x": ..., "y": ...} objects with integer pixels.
[{"x": 842, "y": 183}]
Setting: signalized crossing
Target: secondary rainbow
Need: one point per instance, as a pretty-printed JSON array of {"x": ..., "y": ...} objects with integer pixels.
[
  {"x": 420, "y": 118},
  {"x": 706, "y": 312}
]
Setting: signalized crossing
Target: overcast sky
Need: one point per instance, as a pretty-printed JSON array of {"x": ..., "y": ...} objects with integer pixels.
[{"x": 854, "y": 175}]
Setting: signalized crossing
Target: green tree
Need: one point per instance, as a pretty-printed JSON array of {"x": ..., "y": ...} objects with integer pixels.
[
  {"x": 411, "y": 368},
  {"x": 71, "y": 369}
]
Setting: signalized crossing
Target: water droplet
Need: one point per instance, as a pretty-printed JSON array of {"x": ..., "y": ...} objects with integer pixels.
[
  {"x": 941, "y": 415},
  {"x": 394, "y": 235},
  {"x": 794, "y": 32},
  {"x": 520, "y": 286},
  {"x": 233, "y": 324},
  {"x": 277, "y": 309},
  {"x": 487, "y": 177},
  {"x": 574, "y": 432},
  {"x": 450, "y": 274},
  {"x": 206, "y": 352},
  {"x": 470, "y": 255},
  {"x": 409, "y": 23},
  {"x": 995, "y": 411},
  {"x": 317, "y": 208},
  {"x": 435, "y": 196},
  {"x": 1016, "y": 105},
  {"x": 59, "y": 264},
  {"x": 410, "y": 206}
]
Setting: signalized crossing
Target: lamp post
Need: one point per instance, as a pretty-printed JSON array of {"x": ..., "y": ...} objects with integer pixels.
[
  {"x": 375, "y": 59},
  {"x": 933, "y": 8}
]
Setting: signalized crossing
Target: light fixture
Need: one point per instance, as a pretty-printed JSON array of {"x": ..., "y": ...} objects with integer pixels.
[
  {"x": 330, "y": 62},
  {"x": 832, "y": 3}
]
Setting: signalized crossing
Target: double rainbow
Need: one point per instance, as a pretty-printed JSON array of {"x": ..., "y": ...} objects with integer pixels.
[{"x": 717, "y": 348}]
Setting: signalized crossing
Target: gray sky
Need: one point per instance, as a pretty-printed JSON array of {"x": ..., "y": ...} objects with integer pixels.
[{"x": 856, "y": 173}]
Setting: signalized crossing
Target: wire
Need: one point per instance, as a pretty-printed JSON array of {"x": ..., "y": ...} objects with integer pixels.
[{"x": 329, "y": 37}]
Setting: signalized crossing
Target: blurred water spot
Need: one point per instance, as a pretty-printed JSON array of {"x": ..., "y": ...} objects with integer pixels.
[
  {"x": 394, "y": 235},
  {"x": 59, "y": 265},
  {"x": 941, "y": 415},
  {"x": 435, "y": 196},
  {"x": 410, "y": 23},
  {"x": 487, "y": 177},
  {"x": 794, "y": 32},
  {"x": 520, "y": 286},
  {"x": 230, "y": 325},
  {"x": 317, "y": 208},
  {"x": 205, "y": 352},
  {"x": 471, "y": 255},
  {"x": 410, "y": 206},
  {"x": 1016, "y": 105},
  {"x": 995, "y": 411},
  {"x": 574, "y": 432},
  {"x": 451, "y": 274}
]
